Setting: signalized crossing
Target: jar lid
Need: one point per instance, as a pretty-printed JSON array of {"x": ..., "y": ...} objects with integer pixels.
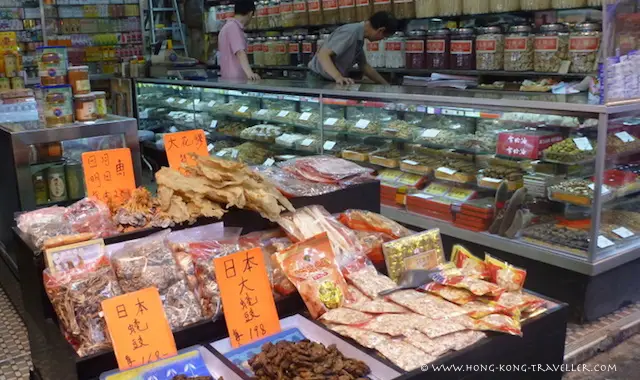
[
  {"x": 311, "y": 37},
  {"x": 85, "y": 97},
  {"x": 490, "y": 30},
  {"x": 250, "y": 39},
  {"x": 417, "y": 33},
  {"x": 553, "y": 28},
  {"x": 78, "y": 68},
  {"x": 98, "y": 93},
  {"x": 398, "y": 35},
  {"x": 463, "y": 31},
  {"x": 588, "y": 27},
  {"x": 520, "y": 29},
  {"x": 438, "y": 32},
  {"x": 272, "y": 38},
  {"x": 284, "y": 38}
]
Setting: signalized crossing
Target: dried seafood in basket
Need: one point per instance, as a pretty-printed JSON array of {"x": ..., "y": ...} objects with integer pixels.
[{"x": 76, "y": 297}]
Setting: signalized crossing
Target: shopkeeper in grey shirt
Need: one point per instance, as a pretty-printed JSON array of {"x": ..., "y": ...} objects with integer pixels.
[{"x": 345, "y": 47}]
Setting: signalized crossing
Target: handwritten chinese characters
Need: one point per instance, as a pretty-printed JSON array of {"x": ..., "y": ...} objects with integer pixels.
[
  {"x": 138, "y": 327},
  {"x": 180, "y": 145},
  {"x": 249, "y": 309},
  {"x": 108, "y": 174}
]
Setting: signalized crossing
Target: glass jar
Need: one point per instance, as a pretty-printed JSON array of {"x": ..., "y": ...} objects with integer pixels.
[
  {"x": 57, "y": 105},
  {"x": 427, "y": 8},
  {"x": 414, "y": 50},
  {"x": 382, "y": 5},
  {"x": 551, "y": 47},
  {"x": 79, "y": 79},
  {"x": 315, "y": 12},
  {"x": 363, "y": 10},
  {"x": 394, "y": 51},
  {"x": 565, "y": 4},
  {"x": 101, "y": 104},
  {"x": 504, "y": 5},
  {"x": 404, "y": 9},
  {"x": 258, "y": 51},
  {"x": 309, "y": 48},
  {"x": 52, "y": 65},
  {"x": 347, "y": 11},
  {"x": 251, "y": 50},
  {"x": 474, "y": 7},
  {"x": 274, "y": 14},
  {"x": 286, "y": 14},
  {"x": 282, "y": 51},
  {"x": 85, "y": 107},
  {"x": 518, "y": 49},
  {"x": 270, "y": 51},
  {"x": 450, "y": 7},
  {"x": 374, "y": 51},
  {"x": 437, "y": 50},
  {"x": 463, "y": 53},
  {"x": 584, "y": 42},
  {"x": 535, "y": 5},
  {"x": 330, "y": 11},
  {"x": 490, "y": 48},
  {"x": 295, "y": 50},
  {"x": 300, "y": 12},
  {"x": 262, "y": 14}
]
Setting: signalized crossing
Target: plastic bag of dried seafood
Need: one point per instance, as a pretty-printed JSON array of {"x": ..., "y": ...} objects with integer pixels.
[
  {"x": 76, "y": 296},
  {"x": 93, "y": 216},
  {"x": 44, "y": 224}
]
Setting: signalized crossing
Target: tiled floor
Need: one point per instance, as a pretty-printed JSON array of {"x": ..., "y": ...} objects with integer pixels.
[{"x": 15, "y": 359}]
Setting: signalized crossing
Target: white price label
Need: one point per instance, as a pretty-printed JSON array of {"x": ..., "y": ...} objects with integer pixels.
[
  {"x": 171, "y": 100},
  {"x": 330, "y": 121},
  {"x": 182, "y": 101},
  {"x": 623, "y": 232},
  {"x": 306, "y": 142},
  {"x": 211, "y": 103},
  {"x": 286, "y": 156},
  {"x": 429, "y": 133},
  {"x": 269, "y": 162},
  {"x": 625, "y": 137},
  {"x": 603, "y": 242},
  {"x": 173, "y": 129},
  {"x": 492, "y": 180},
  {"x": 603, "y": 190},
  {"x": 362, "y": 123},
  {"x": 144, "y": 114},
  {"x": 447, "y": 170},
  {"x": 305, "y": 116},
  {"x": 283, "y": 113},
  {"x": 263, "y": 112},
  {"x": 410, "y": 162},
  {"x": 214, "y": 124},
  {"x": 422, "y": 195},
  {"x": 243, "y": 109},
  {"x": 328, "y": 145},
  {"x": 583, "y": 143},
  {"x": 221, "y": 153},
  {"x": 196, "y": 102},
  {"x": 234, "y": 153},
  {"x": 209, "y": 147},
  {"x": 452, "y": 112}
]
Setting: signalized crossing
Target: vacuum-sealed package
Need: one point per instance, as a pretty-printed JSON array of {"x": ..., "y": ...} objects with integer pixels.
[{"x": 419, "y": 251}]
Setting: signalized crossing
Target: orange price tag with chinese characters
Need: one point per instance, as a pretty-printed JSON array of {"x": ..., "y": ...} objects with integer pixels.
[
  {"x": 138, "y": 327},
  {"x": 247, "y": 300},
  {"x": 179, "y": 145},
  {"x": 108, "y": 174}
]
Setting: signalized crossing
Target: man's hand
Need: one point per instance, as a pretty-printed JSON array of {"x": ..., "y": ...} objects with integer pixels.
[
  {"x": 345, "y": 81},
  {"x": 253, "y": 76}
]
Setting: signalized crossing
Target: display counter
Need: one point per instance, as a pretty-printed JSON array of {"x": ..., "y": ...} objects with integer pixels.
[{"x": 442, "y": 155}]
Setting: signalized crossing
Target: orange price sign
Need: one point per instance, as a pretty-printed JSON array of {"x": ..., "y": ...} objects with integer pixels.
[
  {"x": 108, "y": 174},
  {"x": 247, "y": 300},
  {"x": 138, "y": 327},
  {"x": 179, "y": 145}
]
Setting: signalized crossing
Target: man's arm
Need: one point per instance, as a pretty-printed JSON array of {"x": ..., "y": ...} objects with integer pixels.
[
  {"x": 324, "y": 57},
  {"x": 244, "y": 62},
  {"x": 372, "y": 74}
]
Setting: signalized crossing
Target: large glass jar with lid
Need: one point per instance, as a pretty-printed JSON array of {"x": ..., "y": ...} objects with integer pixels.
[
  {"x": 584, "y": 42},
  {"x": 450, "y": 7},
  {"x": 271, "y": 51},
  {"x": 295, "y": 50},
  {"x": 282, "y": 51},
  {"x": 251, "y": 44},
  {"x": 309, "y": 48},
  {"x": 565, "y": 4},
  {"x": 474, "y": 7},
  {"x": 315, "y": 12},
  {"x": 374, "y": 50},
  {"x": 504, "y": 5},
  {"x": 363, "y": 10},
  {"x": 286, "y": 13},
  {"x": 414, "y": 49},
  {"x": 382, "y": 5},
  {"x": 347, "y": 11},
  {"x": 518, "y": 49},
  {"x": 262, "y": 12},
  {"x": 394, "y": 51},
  {"x": 330, "y": 11},
  {"x": 427, "y": 8},
  {"x": 300, "y": 12},
  {"x": 437, "y": 49},
  {"x": 551, "y": 47},
  {"x": 258, "y": 53},
  {"x": 274, "y": 14},
  {"x": 490, "y": 48},
  {"x": 535, "y": 5},
  {"x": 462, "y": 49},
  {"x": 404, "y": 9}
]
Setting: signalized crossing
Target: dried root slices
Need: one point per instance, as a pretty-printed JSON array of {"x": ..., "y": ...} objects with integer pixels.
[
  {"x": 365, "y": 338},
  {"x": 344, "y": 316}
]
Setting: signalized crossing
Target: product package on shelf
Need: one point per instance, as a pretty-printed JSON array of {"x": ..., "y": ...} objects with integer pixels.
[
  {"x": 395, "y": 185},
  {"x": 419, "y": 251},
  {"x": 525, "y": 143},
  {"x": 433, "y": 206}
]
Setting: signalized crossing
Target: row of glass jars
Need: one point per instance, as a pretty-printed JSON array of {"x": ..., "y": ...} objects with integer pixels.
[
  {"x": 297, "y": 50},
  {"x": 551, "y": 49},
  {"x": 439, "y": 8}
]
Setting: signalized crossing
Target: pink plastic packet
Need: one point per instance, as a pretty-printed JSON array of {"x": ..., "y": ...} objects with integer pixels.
[
  {"x": 91, "y": 215},
  {"x": 325, "y": 169}
]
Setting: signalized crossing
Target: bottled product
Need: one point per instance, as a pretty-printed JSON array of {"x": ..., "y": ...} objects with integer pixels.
[
  {"x": 404, "y": 9},
  {"x": 40, "y": 189},
  {"x": 79, "y": 79},
  {"x": 330, "y": 11},
  {"x": 564, "y": 4},
  {"x": 258, "y": 52},
  {"x": 490, "y": 48},
  {"x": 551, "y": 47},
  {"x": 415, "y": 50},
  {"x": 504, "y": 5},
  {"x": 282, "y": 51},
  {"x": 57, "y": 183},
  {"x": 394, "y": 51},
  {"x": 300, "y": 12},
  {"x": 462, "y": 49},
  {"x": 85, "y": 107},
  {"x": 309, "y": 48},
  {"x": 295, "y": 50},
  {"x": 438, "y": 45},
  {"x": 251, "y": 50},
  {"x": 52, "y": 65},
  {"x": 101, "y": 104},
  {"x": 270, "y": 49},
  {"x": 382, "y": 5},
  {"x": 474, "y": 7},
  {"x": 375, "y": 53},
  {"x": 427, "y": 8},
  {"x": 347, "y": 11},
  {"x": 58, "y": 108},
  {"x": 262, "y": 14},
  {"x": 363, "y": 10},
  {"x": 518, "y": 49},
  {"x": 584, "y": 42},
  {"x": 286, "y": 13},
  {"x": 315, "y": 12},
  {"x": 274, "y": 14},
  {"x": 534, "y": 5},
  {"x": 450, "y": 7},
  {"x": 75, "y": 179}
]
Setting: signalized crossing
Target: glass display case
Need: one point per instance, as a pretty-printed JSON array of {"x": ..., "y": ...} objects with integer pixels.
[{"x": 549, "y": 177}]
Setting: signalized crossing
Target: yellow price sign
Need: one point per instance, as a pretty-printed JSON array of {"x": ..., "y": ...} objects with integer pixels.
[
  {"x": 437, "y": 189},
  {"x": 460, "y": 194}
]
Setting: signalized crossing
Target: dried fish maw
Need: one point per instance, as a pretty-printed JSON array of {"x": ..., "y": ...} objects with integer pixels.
[
  {"x": 164, "y": 197},
  {"x": 178, "y": 210},
  {"x": 205, "y": 207}
]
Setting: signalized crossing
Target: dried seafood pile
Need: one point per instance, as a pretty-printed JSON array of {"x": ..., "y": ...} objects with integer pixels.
[
  {"x": 140, "y": 211},
  {"x": 212, "y": 185}
]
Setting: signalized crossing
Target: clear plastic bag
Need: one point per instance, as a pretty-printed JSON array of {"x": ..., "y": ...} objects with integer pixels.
[
  {"x": 91, "y": 216},
  {"x": 505, "y": 275},
  {"x": 325, "y": 169},
  {"x": 364, "y": 220},
  {"x": 293, "y": 186},
  {"x": 41, "y": 225}
]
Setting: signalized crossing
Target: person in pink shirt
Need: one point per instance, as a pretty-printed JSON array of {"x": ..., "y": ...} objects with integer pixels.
[{"x": 232, "y": 44}]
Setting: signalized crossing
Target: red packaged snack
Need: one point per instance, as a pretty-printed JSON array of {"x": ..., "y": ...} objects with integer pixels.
[
  {"x": 450, "y": 293},
  {"x": 371, "y": 243},
  {"x": 505, "y": 275},
  {"x": 499, "y": 322},
  {"x": 311, "y": 266},
  {"x": 474, "y": 285},
  {"x": 280, "y": 282},
  {"x": 520, "y": 301},
  {"x": 469, "y": 264},
  {"x": 362, "y": 220},
  {"x": 482, "y": 308}
]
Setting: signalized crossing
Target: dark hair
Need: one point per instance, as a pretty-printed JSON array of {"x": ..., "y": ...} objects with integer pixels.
[
  {"x": 243, "y": 7},
  {"x": 384, "y": 20}
]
